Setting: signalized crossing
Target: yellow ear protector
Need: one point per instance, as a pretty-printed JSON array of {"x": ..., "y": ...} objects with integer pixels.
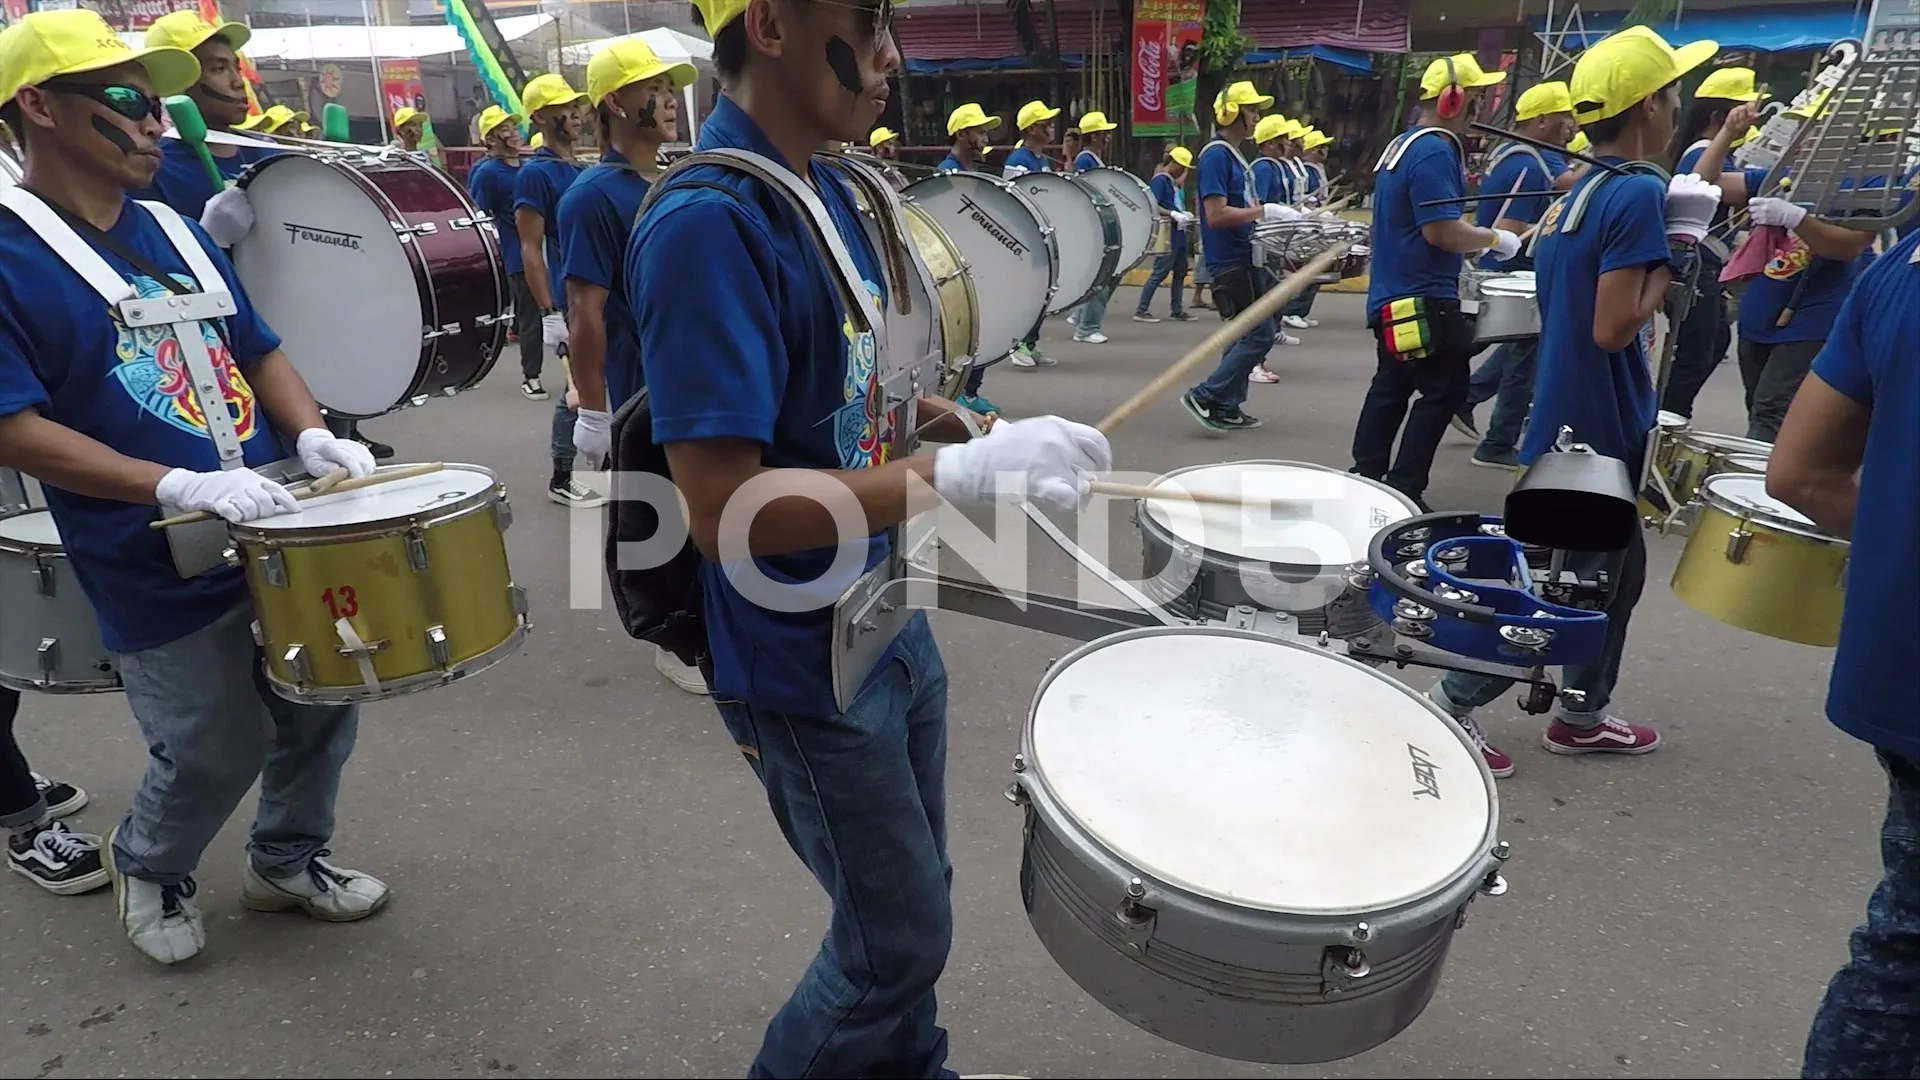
[
  {"x": 1453, "y": 99},
  {"x": 1224, "y": 112}
]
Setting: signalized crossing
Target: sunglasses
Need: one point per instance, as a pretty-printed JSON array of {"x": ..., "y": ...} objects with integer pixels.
[
  {"x": 882, "y": 14},
  {"x": 130, "y": 102}
]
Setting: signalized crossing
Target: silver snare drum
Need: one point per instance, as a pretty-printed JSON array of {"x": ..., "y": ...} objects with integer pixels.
[
  {"x": 1248, "y": 846},
  {"x": 49, "y": 637}
]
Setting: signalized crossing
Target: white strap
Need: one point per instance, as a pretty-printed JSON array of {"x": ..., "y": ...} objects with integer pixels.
[
  {"x": 66, "y": 243},
  {"x": 189, "y": 248},
  {"x": 1246, "y": 170},
  {"x": 1397, "y": 149}
]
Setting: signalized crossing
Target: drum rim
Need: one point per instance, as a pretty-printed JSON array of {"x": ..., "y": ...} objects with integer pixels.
[
  {"x": 1712, "y": 443},
  {"x": 13, "y": 545},
  {"x": 1109, "y": 232},
  {"x": 1756, "y": 515},
  {"x": 254, "y": 532},
  {"x": 357, "y": 694},
  {"x": 1026, "y": 202},
  {"x": 1440, "y": 899},
  {"x": 1217, "y": 559},
  {"x": 964, "y": 273},
  {"x": 1153, "y": 215}
]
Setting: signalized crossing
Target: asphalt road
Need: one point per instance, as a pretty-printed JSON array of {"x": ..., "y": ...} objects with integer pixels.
[{"x": 588, "y": 883}]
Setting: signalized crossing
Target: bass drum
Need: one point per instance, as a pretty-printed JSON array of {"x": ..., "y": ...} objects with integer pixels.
[
  {"x": 382, "y": 278},
  {"x": 1133, "y": 203},
  {"x": 1007, "y": 243},
  {"x": 1089, "y": 234}
]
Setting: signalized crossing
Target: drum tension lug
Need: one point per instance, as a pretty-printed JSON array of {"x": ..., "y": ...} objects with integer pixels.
[
  {"x": 417, "y": 551},
  {"x": 48, "y": 654},
  {"x": 273, "y": 568},
  {"x": 296, "y": 660},
  {"x": 42, "y": 577},
  {"x": 1340, "y": 967},
  {"x": 437, "y": 646},
  {"x": 1737, "y": 542},
  {"x": 517, "y": 597},
  {"x": 1494, "y": 884},
  {"x": 1136, "y": 919}
]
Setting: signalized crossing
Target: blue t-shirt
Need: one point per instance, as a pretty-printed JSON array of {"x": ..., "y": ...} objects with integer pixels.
[
  {"x": 490, "y": 185},
  {"x": 951, "y": 163},
  {"x": 596, "y": 217},
  {"x": 182, "y": 181},
  {"x": 1086, "y": 161},
  {"x": 747, "y": 338},
  {"x": 1270, "y": 181},
  {"x": 1516, "y": 170},
  {"x": 1168, "y": 194},
  {"x": 1403, "y": 263},
  {"x": 1221, "y": 174},
  {"x": 1868, "y": 357},
  {"x": 1814, "y": 308},
  {"x": 1606, "y": 397},
  {"x": 65, "y": 353},
  {"x": 1022, "y": 160},
  {"x": 542, "y": 180}
]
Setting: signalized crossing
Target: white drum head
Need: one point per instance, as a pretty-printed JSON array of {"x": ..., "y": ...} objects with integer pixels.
[
  {"x": 1670, "y": 421},
  {"x": 32, "y": 527},
  {"x": 1745, "y": 494},
  {"x": 1006, "y": 240},
  {"x": 326, "y": 271},
  {"x": 393, "y": 499},
  {"x": 1133, "y": 204},
  {"x": 1301, "y": 515},
  {"x": 1079, "y": 231},
  {"x": 1261, "y": 774},
  {"x": 1512, "y": 285}
]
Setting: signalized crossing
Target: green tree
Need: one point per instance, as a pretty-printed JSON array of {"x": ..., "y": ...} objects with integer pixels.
[{"x": 1223, "y": 52}]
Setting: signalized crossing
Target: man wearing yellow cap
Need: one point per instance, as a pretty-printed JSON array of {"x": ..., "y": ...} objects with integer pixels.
[
  {"x": 409, "y": 124},
  {"x": 1096, "y": 130},
  {"x": 884, "y": 143},
  {"x": 221, "y": 95},
  {"x": 1423, "y": 339},
  {"x": 1170, "y": 199},
  {"x": 1604, "y": 258},
  {"x": 1511, "y": 198},
  {"x": 111, "y": 421},
  {"x": 554, "y": 109},
  {"x": 490, "y": 184},
  {"x": 275, "y": 120},
  {"x": 969, "y": 127},
  {"x": 758, "y": 373},
  {"x": 1035, "y": 122}
]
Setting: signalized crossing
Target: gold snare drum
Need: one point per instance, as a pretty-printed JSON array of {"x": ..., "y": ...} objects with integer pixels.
[
  {"x": 1750, "y": 464},
  {"x": 1751, "y": 561},
  {"x": 1665, "y": 438},
  {"x": 1162, "y": 240},
  {"x": 1698, "y": 455},
  {"x": 384, "y": 591}
]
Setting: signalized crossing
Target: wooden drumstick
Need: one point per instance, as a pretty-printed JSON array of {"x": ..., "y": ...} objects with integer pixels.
[
  {"x": 328, "y": 482},
  {"x": 404, "y": 472},
  {"x": 1140, "y": 491},
  {"x": 1235, "y": 329}
]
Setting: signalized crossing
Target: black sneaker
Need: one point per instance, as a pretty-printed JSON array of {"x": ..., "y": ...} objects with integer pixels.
[
  {"x": 1497, "y": 459},
  {"x": 533, "y": 390},
  {"x": 1181, "y": 316},
  {"x": 58, "y": 859},
  {"x": 62, "y": 798},
  {"x": 1234, "y": 418},
  {"x": 380, "y": 451},
  {"x": 1207, "y": 414}
]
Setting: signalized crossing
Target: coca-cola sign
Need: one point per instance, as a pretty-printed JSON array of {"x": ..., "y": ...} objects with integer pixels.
[
  {"x": 1164, "y": 32},
  {"x": 1148, "y": 73}
]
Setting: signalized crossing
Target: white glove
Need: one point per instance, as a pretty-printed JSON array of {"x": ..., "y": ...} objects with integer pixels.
[
  {"x": 1052, "y": 457},
  {"x": 321, "y": 451},
  {"x": 553, "y": 329},
  {"x": 1182, "y": 219},
  {"x": 1505, "y": 245},
  {"x": 1691, "y": 203},
  {"x": 235, "y": 494},
  {"x": 228, "y": 217},
  {"x": 592, "y": 435},
  {"x": 1765, "y": 211},
  {"x": 1279, "y": 212}
]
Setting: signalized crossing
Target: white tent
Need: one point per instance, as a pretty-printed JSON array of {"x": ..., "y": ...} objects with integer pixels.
[
  {"x": 667, "y": 43},
  {"x": 366, "y": 43}
]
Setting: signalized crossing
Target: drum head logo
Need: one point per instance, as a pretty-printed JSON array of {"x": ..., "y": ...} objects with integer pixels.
[
  {"x": 992, "y": 225},
  {"x": 154, "y": 373},
  {"x": 327, "y": 237}
]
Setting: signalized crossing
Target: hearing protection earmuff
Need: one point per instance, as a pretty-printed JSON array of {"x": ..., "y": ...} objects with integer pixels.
[
  {"x": 1453, "y": 99},
  {"x": 1224, "y": 112}
]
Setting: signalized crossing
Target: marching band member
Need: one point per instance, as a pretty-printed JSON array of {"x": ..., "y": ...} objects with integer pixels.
[
  {"x": 409, "y": 126},
  {"x": 884, "y": 143},
  {"x": 1424, "y": 342},
  {"x": 273, "y": 120},
  {"x": 87, "y": 407},
  {"x": 1298, "y": 314},
  {"x": 551, "y": 104},
  {"x": 775, "y": 386},
  {"x": 970, "y": 127},
  {"x": 632, "y": 92},
  {"x": 1544, "y": 113},
  {"x": 1095, "y": 134},
  {"x": 1313, "y": 155},
  {"x": 40, "y": 847},
  {"x": 1169, "y": 193},
  {"x": 1848, "y": 457},
  {"x": 490, "y": 183},
  {"x": 1274, "y": 182},
  {"x": 1604, "y": 257},
  {"x": 1035, "y": 121}
]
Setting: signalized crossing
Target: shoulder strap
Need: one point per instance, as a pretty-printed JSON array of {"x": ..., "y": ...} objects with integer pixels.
[
  {"x": 1390, "y": 157},
  {"x": 54, "y": 231},
  {"x": 1508, "y": 149},
  {"x": 1246, "y": 170}
]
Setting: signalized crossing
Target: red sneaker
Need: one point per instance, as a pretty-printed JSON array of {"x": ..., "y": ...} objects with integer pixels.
[
  {"x": 1611, "y": 736},
  {"x": 1498, "y": 763}
]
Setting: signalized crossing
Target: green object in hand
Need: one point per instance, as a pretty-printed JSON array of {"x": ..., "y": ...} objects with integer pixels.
[
  {"x": 192, "y": 128},
  {"x": 333, "y": 122}
]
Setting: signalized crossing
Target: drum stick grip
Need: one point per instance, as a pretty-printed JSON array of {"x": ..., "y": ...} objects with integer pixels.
[
  {"x": 1140, "y": 491},
  {"x": 1236, "y": 328},
  {"x": 328, "y": 482},
  {"x": 404, "y": 472}
]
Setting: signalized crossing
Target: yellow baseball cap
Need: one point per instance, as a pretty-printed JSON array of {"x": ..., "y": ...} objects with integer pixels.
[
  {"x": 1622, "y": 69},
  {"x": 1729, "y": 84},
  {"x": 47, "y": 44},
  {"x": 718, "y": 13},
  {"x": 543, "y": 91},
  {"x": 1459, "y": 68},
  {"x": 1095, "y": 122},
  {"x": 1236, "y": 95},
  {"x": 405, "y": 115},
  {"x": 1543, "y": 99},
  {"x": 492, "y": 117},
  {"x": 1315, "y": 138},
  {"x": 969, "y": 116},
  {"x": 273, "y": 119},
  {"x": 629, "y": 61},
  {"x": 537, "y": 141},
  {"x": 1034, "y": 112},
  {"x": 1271, "y": 127},
  {"x": 187, "y": 30},
  {"x": 881, "y": 135},
  {"x": 1181, "y": 156},
  {"x": 1579, "y": 144}
]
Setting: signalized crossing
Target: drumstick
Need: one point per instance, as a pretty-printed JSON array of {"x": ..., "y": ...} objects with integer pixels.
[
  {"x": 1235, "y": 329},
  {"x": 328, "y": 482},
  {"x": 404, "y": 472},
  {"x": 1138, "y": 491}
]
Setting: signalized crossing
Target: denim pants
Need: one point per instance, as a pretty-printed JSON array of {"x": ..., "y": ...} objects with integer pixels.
[
  {"x": 1702, "y": 342},
  {"x": 1302, "y": 305},
  {"x": 560, "y": 441},
  {"x": 1465, "y": 692},
  {"x": 526, "y": 324},
  {"x": 212, "y": 725},
  {"x": 1869, "y": 1023},
  {"x": 1507, "y": 377},
  {"x": 861, "y": 798},
  {"x": 1087, "y": 316},
  {"x": 1173, "y": 263},
  {"x": 1227, "y": 386},
  {"x": 21, "y": 804}
]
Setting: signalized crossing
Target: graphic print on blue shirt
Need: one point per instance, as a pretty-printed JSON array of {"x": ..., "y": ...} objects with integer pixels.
[
  {"x": 182, "y": 181},
  {"x": 1222, "y": 174},
  {"x": 1606, "y": 397},
  {"x": 595, "y": 216},
  {"x": 1170, "y": 197},
  {"x": 773, "y": 358},
  {"x": 1779, "y": 284},
  {"x": 490, "y": 185},
  {"x": 1403, "y": 263},
  {"x": 1868, "y": 356},
  {"x": 1515, "y": 170},
  {"x": 65, "y": 353},
  {"x": 540, "y": 183}
]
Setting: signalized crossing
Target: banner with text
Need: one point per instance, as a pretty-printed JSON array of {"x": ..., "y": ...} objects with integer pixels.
[{"x": 1166, "y": 65}]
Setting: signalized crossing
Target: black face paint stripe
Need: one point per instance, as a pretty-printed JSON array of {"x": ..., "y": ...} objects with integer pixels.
[
  {"x": 113, "y": 134},
  {"x": 840, "y": 57},
  {"x": 647, "y": 118}
]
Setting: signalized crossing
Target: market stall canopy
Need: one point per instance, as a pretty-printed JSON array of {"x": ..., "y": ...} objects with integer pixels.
[
  {"x": 1767, "y": 29},
  {"x": 667, "y": 43},
  {"x": 364, "y": 43}
]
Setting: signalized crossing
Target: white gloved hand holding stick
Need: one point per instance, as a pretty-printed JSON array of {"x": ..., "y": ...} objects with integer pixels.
[
  {"x": 1272, "y": 212},
  {"x": 1780, "y": 212},
  {"x": 321, "y": 451},
  {"x": 1691, "y": 204},
  {"x": 1044, "y": 459},
  {"x": 593, "y": 435},
  {"x": 228, "y": 217},
  {"x": 234, "y": 494}
]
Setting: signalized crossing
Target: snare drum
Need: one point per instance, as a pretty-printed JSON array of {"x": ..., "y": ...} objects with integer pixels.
[
  {"x": 1249, "y": 846},
  {"x": 1007, "y": 243},
  {"x": 1291, "y": 554},
  {"x": 1509, "y": 310},
  {"x": 1133, "y": 203},
  {"x": 1749, "y": 464},
  {"x": 1754, "y": 562},
  {"x": 1698, "y": 455},
  {"x": 19, "y": 492},
  {"x": 386, "y": 590},
  {"x": 1086, "y": 230},
  {"x": 49, "y": 637},
  {"x": 380, "y": 275}
]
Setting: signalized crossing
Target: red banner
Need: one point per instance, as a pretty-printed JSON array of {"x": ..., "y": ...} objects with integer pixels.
[{"x": 1166, "y": 61}]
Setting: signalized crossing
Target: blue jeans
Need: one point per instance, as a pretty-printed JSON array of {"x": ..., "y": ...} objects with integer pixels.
[
  {"x": 1507, "y": 377},
  {"x": 1173, "y": 263},
  {"x": 1087, "y": 318},
  {"x": 1464, "y": 693},
  {"x": 1233, "y": 291},
  {"x": 861, "y": 798},
  {"x": 1302, "y": 305},
  {"x": 1869, "y": 1024},
  {"x": 212, "y": 725},
  {"x": 561, "y": 440}
]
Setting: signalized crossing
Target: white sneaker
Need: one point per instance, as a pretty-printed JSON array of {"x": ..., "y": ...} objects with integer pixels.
[
  {"x": 1285, "y": 338},
  {"x": 1091, "y": 337},
  {"x": 1262, "y": 375},
  {"x": 533, "y": 389},
  {"x": 685, "y": 676},
  {"x": 162, "y": 921},
  {"x": 1295, "y": 321},
  {"x": 325, "y": 891},
  {"x": 1022, "y": 357}
]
